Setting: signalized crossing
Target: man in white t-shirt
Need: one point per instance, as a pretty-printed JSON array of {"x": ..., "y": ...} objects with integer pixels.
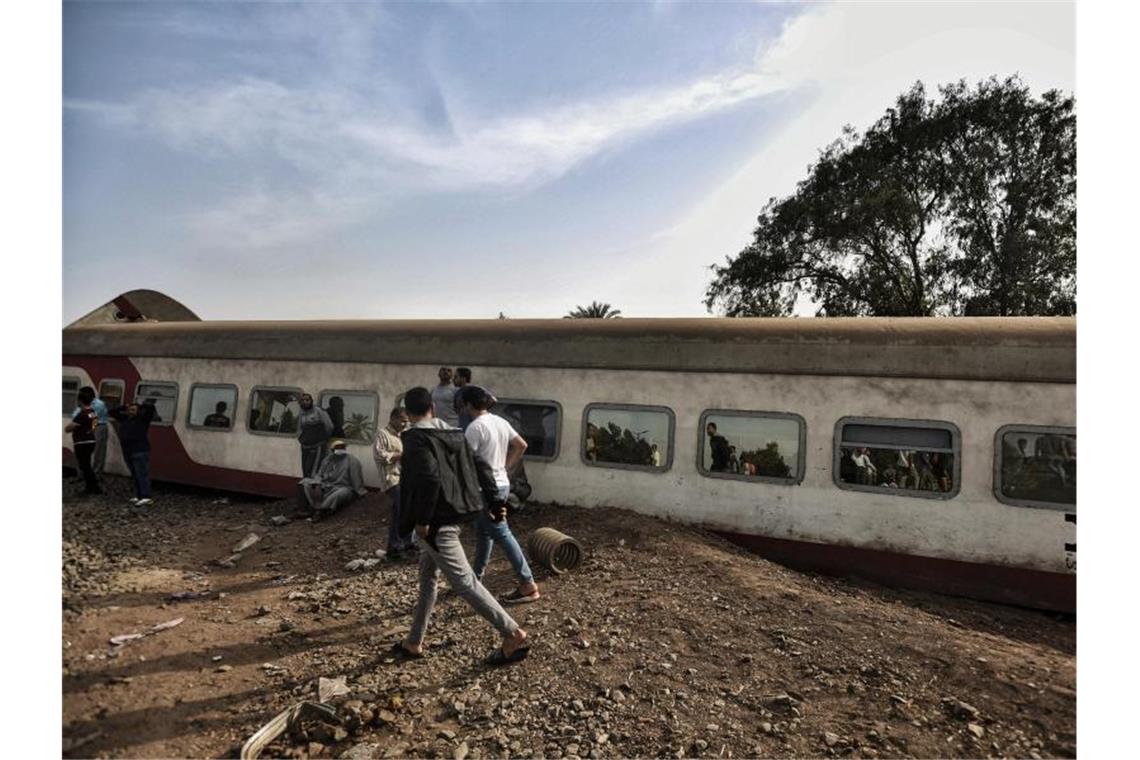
[{"x": 493, "y": 440}]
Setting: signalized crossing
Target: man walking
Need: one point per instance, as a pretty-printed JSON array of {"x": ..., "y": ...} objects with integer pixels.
[
  {"x": 387, "y": 450},
  {"x": 493, "y": 440},
  {"x": 440, "y": 484},
  {"x": 134, "y": 428}
]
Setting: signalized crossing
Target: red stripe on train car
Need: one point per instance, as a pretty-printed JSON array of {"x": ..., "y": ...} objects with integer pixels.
[
  {"x": 1008, "y": 585},
  {"x": 169, "y": 460}
]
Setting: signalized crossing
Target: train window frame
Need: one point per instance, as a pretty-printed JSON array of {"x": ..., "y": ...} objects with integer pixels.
[
  {"x": 105, "y": 381},
  {"x": 177, "y": 393},
  {"x": 78, "y": 384},
  {"x": 557, "y": 427},
  {"x": 801, "y": 467},
  {"x": 254, "y": 389},
  {"x": 220, "y": 386},
  {"x": 629, "y": 408},
  {"x": 359, "y": 392},
  {"x": 955, "y": 450},
  {"x": 1029, "y": 503}
]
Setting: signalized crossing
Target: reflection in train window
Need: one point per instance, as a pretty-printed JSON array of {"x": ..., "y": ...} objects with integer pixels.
[
  {"x": 111, "y": 393},
  {"x": 70, "y": 395},
  {"x": 163, "y": 395},
  {"x": 899, "y": 457},
  {"x": 538, "y": 422},
  {"x": 274, "y": 411},
  {"x": 1036, "y": 466},
  {"x": 353, "y": 414},
  {"x": 754, "y": 446},
  {"x": 212, "y": 407},
  {"x": 628, "y": 436}
]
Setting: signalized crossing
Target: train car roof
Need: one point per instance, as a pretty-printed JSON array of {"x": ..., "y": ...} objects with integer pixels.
[{"x": 1026, "y": 349}]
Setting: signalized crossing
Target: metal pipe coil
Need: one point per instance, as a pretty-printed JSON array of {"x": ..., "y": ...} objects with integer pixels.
[{"x": 555, "y": 550}]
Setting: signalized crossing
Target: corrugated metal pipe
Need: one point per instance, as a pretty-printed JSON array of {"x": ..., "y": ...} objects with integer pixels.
[{"x": 555, "y": 550}]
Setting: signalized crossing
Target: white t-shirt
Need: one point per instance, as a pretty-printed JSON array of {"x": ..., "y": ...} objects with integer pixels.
[{"x": 489, "y": 435}]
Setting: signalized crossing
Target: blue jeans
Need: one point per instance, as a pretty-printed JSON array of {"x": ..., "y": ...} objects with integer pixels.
[
  {"x": 396, "y": 542},
  {"x": 139, "y": 465},
  {"x": 488, "y": 533}
]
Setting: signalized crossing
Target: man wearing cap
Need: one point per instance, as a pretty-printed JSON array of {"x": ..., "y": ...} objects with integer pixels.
[{"x": 339, "y": 482}]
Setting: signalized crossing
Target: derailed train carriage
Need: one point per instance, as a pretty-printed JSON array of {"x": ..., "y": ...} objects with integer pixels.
[{"x": 930, "y": 453}]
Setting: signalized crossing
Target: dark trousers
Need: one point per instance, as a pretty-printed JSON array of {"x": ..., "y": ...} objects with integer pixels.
[
  {"x": 311, "y": 458},
  {"x": 396, "y": 541},
  {"x": 139, "y": 465},
  {"x": 83, "y": 453}
]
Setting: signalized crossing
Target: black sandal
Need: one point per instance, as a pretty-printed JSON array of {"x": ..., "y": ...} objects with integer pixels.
[
  {"x": 498, "y": 659},
  {"x": 400, "y": 652}
]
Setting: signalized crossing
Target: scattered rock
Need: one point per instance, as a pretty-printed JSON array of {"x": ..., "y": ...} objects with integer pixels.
[
  {"x": 830, "y": 739},
  {"x": 361, "y": 752},
  {"x": 976, "y": 730},
  {"x": 278, "y": 521},
  {"x": 460, "y": 752},
  {"x": 330, "y": 688},
  {"x": 245, "y": 543},
  {"x": 223, "y": 668}
]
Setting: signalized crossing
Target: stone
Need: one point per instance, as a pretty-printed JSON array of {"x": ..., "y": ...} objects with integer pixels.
[
  {"x": 355, "y": 565},
  {"x": 460, "y": 752},
  {"x": 224, "y": 668},
  {"x": 315, "y": 749},
  {"x": 330, "y": 688},
  {"x": 360, "y": 752},
  {"x": 339, "y": 734},
  {"x": 766, "y": 728},
  {"x": 246, "y": 542},
  {"x": 278, "y": 521},
  {"x": 386, "y": 716},
  {"x": 830, "y": 739},
  {"x": 976, "y": 730}
]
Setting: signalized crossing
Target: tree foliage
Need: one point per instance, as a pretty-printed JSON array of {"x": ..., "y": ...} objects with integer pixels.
[
  {"x": 965, "y": 204},
  {"x": 594, "y": 311}
]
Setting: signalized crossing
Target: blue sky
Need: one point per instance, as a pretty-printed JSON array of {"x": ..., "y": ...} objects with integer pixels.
[{"x": 317, "y": 160}]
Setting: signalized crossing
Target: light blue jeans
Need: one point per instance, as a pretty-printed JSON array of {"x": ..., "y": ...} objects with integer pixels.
[{"x": 488, "y": 533}]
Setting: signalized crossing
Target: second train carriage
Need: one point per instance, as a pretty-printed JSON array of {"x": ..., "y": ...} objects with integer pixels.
[{"x": 975, "y": 417}]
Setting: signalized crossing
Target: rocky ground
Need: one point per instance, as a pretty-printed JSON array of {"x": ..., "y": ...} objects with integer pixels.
[{"x": 667, "y": 641}]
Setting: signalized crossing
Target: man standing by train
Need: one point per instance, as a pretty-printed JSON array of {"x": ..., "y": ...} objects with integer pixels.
[
  {"x": 440, "y": 485},
  {"x": 443, "y": 398},
  {"x": 314, "y": 428},
  {"x": 493, "y": 440},
  {"x": 387, "y": 451}
]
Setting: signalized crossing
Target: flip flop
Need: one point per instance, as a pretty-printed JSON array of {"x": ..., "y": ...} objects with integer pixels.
[
  {"x": 398, "y": 651},
  {"x": 497, "y": 658}
]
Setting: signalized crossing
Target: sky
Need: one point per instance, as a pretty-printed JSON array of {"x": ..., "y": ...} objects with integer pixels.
[{"x": 458, "y": 160}]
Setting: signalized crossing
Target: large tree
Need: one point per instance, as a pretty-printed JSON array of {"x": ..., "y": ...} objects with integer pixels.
[{"x": 964, "y": 204}]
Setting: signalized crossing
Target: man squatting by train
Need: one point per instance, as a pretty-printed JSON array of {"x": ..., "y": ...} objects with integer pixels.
[{"x": 440, "y": 486}]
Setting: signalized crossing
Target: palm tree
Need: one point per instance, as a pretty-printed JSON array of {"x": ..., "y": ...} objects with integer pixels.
[
  {"x": 358, "y": 427},
  {"x": 594, "y": 311}
]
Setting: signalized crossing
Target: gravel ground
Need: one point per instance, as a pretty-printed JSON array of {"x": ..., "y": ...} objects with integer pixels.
[{"x": 666, "y": 642}]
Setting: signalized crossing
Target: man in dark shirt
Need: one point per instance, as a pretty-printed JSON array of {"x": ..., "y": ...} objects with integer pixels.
[
  {"x": 134, "y": 426},
  {"x": 82, "y": 429},
  {"x": 720, "y": 449},
  {"x": 218, "y": 419},
  {"x": 440, "y": 485}
]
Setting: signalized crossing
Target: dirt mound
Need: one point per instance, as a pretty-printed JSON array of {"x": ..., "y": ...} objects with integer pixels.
[{"x": 665, "y": 642}]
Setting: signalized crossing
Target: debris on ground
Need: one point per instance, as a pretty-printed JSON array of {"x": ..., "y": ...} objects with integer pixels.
[
  {"x": 245, "y": 543},
  {"x": 666, "y": 641}
]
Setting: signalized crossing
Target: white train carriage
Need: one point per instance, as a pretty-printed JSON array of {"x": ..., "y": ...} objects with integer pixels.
[{"x": 938, "y": 453}]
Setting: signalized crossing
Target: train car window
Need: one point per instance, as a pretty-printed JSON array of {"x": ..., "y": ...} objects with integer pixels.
[
  {"x": 212, "y": 406},
  {"x": 353, "y": 414},
  {"x": 916, "y": 458},
  {"x": 112, "y": 392},
  {"x": 273, "y": 410},
  {"x": 764, "y": 447},
  {"x": 538, "y": 422},
  {"x": 628, "y": 436},
  {"x": 70, "y": 395},
  {"x": 165, "y": 398},
  {"x": 1036, "y": 466}
]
